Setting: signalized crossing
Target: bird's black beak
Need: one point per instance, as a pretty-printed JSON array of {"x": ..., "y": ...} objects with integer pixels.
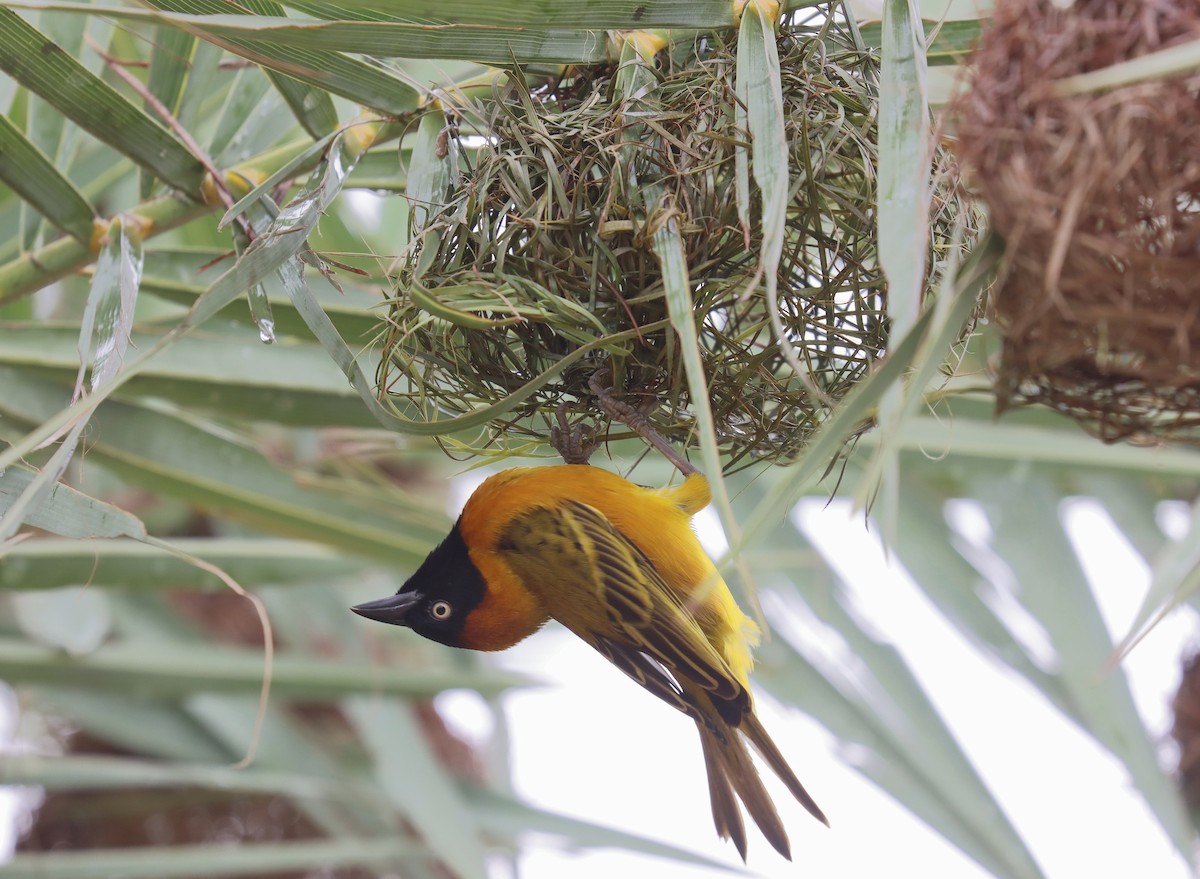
[{"x": 393, "y": 609}]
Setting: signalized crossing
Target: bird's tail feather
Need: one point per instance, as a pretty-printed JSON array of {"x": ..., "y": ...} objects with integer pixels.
[
  {"x": 766, "y": 748},
  {"x": 738, "y": 772},
  {"x": 726, "y": 815}
]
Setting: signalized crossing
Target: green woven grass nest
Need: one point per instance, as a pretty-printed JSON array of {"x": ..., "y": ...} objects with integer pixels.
[{"x": 541, "y": 252}]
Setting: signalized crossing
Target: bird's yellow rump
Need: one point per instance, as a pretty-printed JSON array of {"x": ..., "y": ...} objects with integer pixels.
[{"x": 618, "y": 565}]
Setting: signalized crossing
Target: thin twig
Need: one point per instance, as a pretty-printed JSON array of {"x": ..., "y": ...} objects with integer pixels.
[
  {"x": 118, "y": 67},
  {"x": 634, "y": 419}
]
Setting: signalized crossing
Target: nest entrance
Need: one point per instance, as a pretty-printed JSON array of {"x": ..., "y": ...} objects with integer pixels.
[
  {"x": 547, "y": 238},
  {"x": 1098, "y": 197}
]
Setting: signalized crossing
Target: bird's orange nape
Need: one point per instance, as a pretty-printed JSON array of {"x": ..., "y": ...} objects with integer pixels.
[{"x": 508, "y": 613}]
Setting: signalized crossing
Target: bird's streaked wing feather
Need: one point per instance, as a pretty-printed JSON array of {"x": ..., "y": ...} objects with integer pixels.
[{"x": 618, "y": 597}]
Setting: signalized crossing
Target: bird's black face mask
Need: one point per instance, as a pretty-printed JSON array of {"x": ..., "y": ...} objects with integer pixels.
[{"x": 436, "y": 599}]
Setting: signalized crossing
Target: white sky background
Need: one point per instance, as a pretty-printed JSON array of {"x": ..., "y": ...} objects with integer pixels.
[{"x": 594, "y": 746}]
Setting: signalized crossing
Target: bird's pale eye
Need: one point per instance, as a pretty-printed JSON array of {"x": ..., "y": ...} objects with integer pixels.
[{"x": 440, "y": 610}]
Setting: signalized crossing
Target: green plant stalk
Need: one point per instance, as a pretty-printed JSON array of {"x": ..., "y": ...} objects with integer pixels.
[{"x": 33, "y": 271}]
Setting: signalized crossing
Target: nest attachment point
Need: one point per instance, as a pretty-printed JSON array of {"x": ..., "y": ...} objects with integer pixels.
[
  {"x": 1097, "y": 193},
  {"x": 542, "y": 251}
]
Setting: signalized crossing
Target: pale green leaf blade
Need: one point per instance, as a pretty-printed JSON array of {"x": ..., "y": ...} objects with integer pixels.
[
  {"x": 155, "y": 729},
  {"x": 1132, "y": 505},
  {"x": 171, "y": 669},
  {"x": 413, "y": 779},
  {"x": 925, "y": 546},
  {"x": 316, "y": 52},
  {"x": 214, "y": 860},
  {"x": 86, "y": 772},
  {"x": 301, "y": 46},
  {"x": 353, "y": 312},
  {"x": 41, "y": 485},
  {"x": 871, "y": 699},
  {"x": 1172, "y": 61},
  {"x": 287, "y": 235},
  {"x": 428, "y": 173},
  {"x": 1064, "y": 444},
  {"x": 903, "y": 219},
  {"x": 852, "y": 412},
  {"x": 204, "y": 79},
  {"x": 238, "y": 134},
  {"x": 956, "y": 304},
  {"x": 304, "y": 73},
  {"x": 227, "y": 374},
  {"x": 830, "y": 439},
  {"x": 42, "y": 67},
  {"x": 103, "y": 341},
  {"x": 46, "y": 127},
  {"x": 193, "y": 461},
  {"x": 1028, "y": 535},
  {"x": 760, "y": 89},
  {"x": 108, "y": 316},
  {"x": 668, "y": 247},
  {"x": 582, "y": 14},
  {"x": 32, "y": 175},
  {"x": 232, "y": 721},
  {"x": 75, "y": 620},
  {"x": 129, "y": 564},
  {"x": 171, "y": 57},
  {"x": 904, "y": 164},
  {"x": 510, "y": 819},
  {"x": 947, "y": 42},
  {"x": 1174, "y": 578},
  {"x": 311, "y": 105},
  {"x": 310, "y": 156},
  {"x": 66, "y": 511}
]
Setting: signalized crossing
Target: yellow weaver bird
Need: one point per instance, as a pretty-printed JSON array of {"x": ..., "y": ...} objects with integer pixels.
[{"x": 618, "y": 565}]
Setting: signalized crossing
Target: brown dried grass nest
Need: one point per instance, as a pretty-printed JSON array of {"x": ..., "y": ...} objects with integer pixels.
[
  {"x": 1098, "y": 198},
  {"x": 547, "y": 236}
]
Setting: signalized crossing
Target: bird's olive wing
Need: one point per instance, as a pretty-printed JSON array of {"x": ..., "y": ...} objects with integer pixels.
[{"x": 600, "y": 585}]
